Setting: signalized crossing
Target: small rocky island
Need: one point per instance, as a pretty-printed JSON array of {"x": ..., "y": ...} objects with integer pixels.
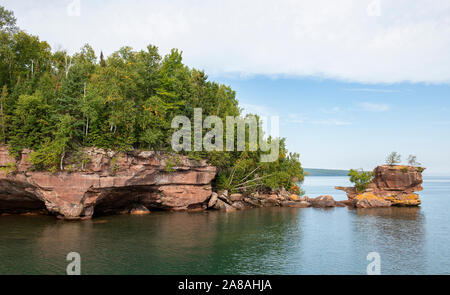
[{"x": 392, "y": 185}]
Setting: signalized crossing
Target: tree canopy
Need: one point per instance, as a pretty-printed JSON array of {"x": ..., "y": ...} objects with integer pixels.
[{"x": 55, "y": 103}]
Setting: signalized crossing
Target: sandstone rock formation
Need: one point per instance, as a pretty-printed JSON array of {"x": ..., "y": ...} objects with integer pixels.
[
  {"x": 393, "y": 185},
  {"x": 281, "y": 198},
  {"x": 107, "y": 183}
]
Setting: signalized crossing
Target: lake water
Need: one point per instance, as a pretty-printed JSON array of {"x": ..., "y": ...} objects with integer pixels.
[{"x": 256, "y": 241}]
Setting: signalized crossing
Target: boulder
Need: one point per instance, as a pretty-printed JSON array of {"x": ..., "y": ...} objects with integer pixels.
[
  {"x": 213, "y": 200},
  {"x": 221, "y": 205},
  {"x": 323, "y": 202},
  {"x": 239, "y": 205},
  {"x": 236, "y": 197},
  {"x": 272, "y": 200},
  {"x": 224, "y": 197},
  {"x": 252, "y": 202},
  {"x": 295, "y": 198}
]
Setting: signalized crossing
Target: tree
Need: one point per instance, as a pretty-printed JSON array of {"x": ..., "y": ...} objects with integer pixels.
[
  {"x": 7, "y": 21},
  {"x": 7, "y": 29},
  {"x": 50, "y": 154},
  {"x": 360, "y": 178},
  {"x": 31, "y": 123},
  {"x": 102, "y": 60},
  {"x": 393, "y": 159},
  {"x": 3, "y": 119},
  {"x": 412, "y": 161}
]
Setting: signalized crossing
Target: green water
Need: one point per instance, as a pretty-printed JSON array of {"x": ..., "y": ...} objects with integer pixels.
[{"x": 256, "y": 241}]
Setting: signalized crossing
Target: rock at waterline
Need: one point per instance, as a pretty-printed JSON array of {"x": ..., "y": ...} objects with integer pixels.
[
  {"x": 323, "y": 202},
  {"x": 221, "y": 205},
  {"x": 292, "y": 204},
  {"x": 212, "y": 200}
]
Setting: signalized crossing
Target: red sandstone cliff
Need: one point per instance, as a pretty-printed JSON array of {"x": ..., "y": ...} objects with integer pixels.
[
  {"x": 107, "y": 183},
  {"x": 392, "y": 186}
]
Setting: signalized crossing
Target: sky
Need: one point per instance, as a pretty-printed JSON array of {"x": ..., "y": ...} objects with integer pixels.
[{"x": 350, "y": 80}]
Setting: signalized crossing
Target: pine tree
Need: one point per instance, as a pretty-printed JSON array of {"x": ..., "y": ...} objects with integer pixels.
[{"x": 102, "y": 60}]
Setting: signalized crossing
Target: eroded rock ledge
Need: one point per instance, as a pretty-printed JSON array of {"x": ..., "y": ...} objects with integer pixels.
[
  {"x": 281, "y": 198},
  {"x": 106, "y": 183},
  {"x": 393, "y": 185}
]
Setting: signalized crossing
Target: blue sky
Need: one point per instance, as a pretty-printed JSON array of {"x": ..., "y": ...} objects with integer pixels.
[
  {"x": 351, "y": 80},
  {"x": 335, "y": 124}
]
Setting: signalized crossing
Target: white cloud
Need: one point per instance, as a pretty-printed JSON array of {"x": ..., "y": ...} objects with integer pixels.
[
  {"x": 408, "y": 41},
  {"x": 374, "y": 107}
]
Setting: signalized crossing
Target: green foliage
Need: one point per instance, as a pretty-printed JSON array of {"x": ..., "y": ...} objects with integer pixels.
[
  {"x": 46, "y": 157},
  {"x": 7, "y": 20},
  {"x": 3, "y": 116},
  {"x": 50, "y": 155},
  {"x": 56, "y": 104},
  {"x": 412, "y": 160},
  {"x": 113, "y": 165},
  {"x": 393, "y": 158},
  {"x": 360, "y": 178},
  {"x": 169, "y": 165},
  {"x": 121, "y": 102},
  {"x": 244, "y": 172},
  {"x": 9, "y": 168},
  {"x": 31, "y": 123}
]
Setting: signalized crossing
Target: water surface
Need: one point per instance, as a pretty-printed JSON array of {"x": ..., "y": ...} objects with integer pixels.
[{"x": 256, "y": 241}]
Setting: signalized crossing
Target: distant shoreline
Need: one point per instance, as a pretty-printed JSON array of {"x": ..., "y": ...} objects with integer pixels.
[{"x": 324, "y": 172}]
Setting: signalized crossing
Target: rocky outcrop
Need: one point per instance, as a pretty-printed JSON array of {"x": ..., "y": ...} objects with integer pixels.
[
  {"x": 99, "y": 182},
  {"x": 105, "y": 182},
  {"x": 392, "y": 185},
  {"x": 225, "y": 202}
]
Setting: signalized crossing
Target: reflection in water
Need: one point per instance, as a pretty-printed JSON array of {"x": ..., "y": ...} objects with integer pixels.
[
  {"x": 264, "y": 236},
  {"x": 397, "y": 233},
  {"x": 412, "y": 213},
  {"x": 259, "y": 241},
  {"x": 175, "y": 243}
]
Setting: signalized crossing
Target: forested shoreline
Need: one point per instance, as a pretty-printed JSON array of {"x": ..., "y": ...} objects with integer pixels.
[{"x": 55, "y": 104}]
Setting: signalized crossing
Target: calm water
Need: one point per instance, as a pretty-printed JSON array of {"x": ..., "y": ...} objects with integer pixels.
[{"x": 258, "y": 241}]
